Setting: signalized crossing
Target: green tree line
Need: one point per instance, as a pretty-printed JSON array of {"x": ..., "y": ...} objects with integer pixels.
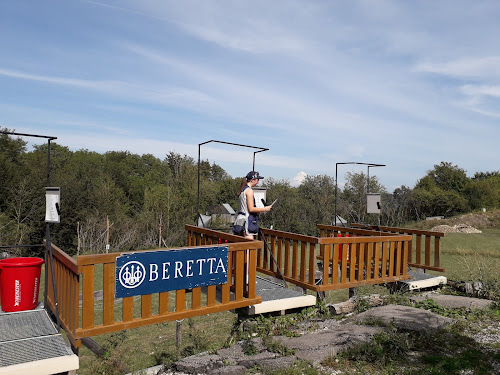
[{"x": 144, "y": 202}]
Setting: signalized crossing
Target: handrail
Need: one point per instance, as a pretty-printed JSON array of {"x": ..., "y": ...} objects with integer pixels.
[
  {"x": 368, "y": 257},
  {"x": 89, "y": 317},
  {"x": 431, "y": 257},
  {"x": 67, "y": 280}
]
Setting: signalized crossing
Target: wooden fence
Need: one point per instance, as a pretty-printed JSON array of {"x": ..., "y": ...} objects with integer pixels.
[
  {"x": 84, "y": 315},
  {"x": 345, "y": 262},
  {"x": 425, "y": 251}
]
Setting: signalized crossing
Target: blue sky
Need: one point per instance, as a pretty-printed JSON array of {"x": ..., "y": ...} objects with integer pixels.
[{"x": 403, "y": 83}]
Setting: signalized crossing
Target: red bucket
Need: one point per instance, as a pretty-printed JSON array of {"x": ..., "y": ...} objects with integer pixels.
[{"x": 20, "y": 283}]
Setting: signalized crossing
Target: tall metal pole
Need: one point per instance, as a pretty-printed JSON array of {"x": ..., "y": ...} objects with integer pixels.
[
  {"x": 336, "y": 184},
  {"x": 49, "y": 251}
]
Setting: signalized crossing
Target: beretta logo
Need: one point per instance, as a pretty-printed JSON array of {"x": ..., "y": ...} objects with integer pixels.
[{"x": 132, "y": 274}]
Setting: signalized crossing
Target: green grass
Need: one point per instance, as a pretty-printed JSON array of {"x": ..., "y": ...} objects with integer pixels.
[{"x": 472, "y": 257}]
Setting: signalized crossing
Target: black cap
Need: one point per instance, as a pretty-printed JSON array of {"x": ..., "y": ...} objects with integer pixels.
[{"x": 254, "y": 175}]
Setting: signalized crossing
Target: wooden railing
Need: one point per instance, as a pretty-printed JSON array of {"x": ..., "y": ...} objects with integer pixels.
[
  {"x": 294, "y": 255},
  {"x": 90, "y": 317},
  {"x": 67, "y": 281},
  {"x": 425, "y": 249},
  {"x": 345, "y": 262}
]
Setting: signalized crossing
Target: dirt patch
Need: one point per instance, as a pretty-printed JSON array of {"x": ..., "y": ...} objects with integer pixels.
[{"x": 459, "y": 228}]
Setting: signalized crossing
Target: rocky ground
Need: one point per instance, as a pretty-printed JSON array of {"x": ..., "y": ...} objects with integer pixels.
[{"x": 318, "y": 341}]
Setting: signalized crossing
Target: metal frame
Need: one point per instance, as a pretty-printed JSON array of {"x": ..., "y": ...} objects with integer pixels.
[
  {"x": 260, "y": 149},
  {"x": 370, "y": 165},
  {"x": 48, "y": 247}
]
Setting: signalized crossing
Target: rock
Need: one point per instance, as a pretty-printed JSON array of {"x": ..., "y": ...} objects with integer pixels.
[
  {"x": 405, "y": 317},
  {"x": 250, "y": 361},
  {"x": 278, "y": 363},
  {"x": 350, "y": 305},
  {"x": 229, "y": 370},
  {"x": 455, "y": 302},
  {"x": 199, "y": 364},
  {"x": 155, "y": 370},
  {"x": 317, "y": 346}
]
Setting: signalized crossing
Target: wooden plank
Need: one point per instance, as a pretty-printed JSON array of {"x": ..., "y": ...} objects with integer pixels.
[
  {"x": 335, "y": 264},
  {"x": 325, "y": 253},
  {"x": 272, "y": 266},
  {"x": 180, "y": 300},
  {"x": 267, "y": 257},
  {"x": 352, "y": 262},
  {"x": 361, "y": 262},
  {"x": 410, "y": 250},
  {"x": 430, "y": 268},
  {"x": 324, "y": 288},
  {"x": 383, "y": 266},
  {"x": 369, "y": 261},
  {"x": 303, "y": 261},
  {"x": 427, "y": 250},
  {"x": 64, "y": 258},
  {"x": 88, "y": 297},
  {"x": 295, "y": 265},
  {"x": 437, "y": 260},
  {"x": 163, "y": 303},
  {"x": 365, "y": 239},
  {"x": 128, "y": 309},
  {"x": 146, "y": 303},
  {"x": 279, "y": 257},
  {"x": 196, "y": 298},
  {"x": 343, "y": 266},
  {"x": 391, "y": 258},
  {"x": 376, "y": 260},
  {"x": 108, "y": 293},
  {"x": 286, "y": 270},
  {"x": 211, "y": 294},
  {"x": 312, "y": 261},
  {"x": 406, "y": 247},
  {"x": 252, "y": 274},
  {"x": 239, "y": 274},
  {"x": 289, "y": 235},
  {"x": 226, "y": 288},
  {"x": 418, "y": 250},
  {"x": 260, "y": 255}
]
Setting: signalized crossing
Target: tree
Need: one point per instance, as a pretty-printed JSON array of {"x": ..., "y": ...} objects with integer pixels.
[{"x": 353, "y": 198}]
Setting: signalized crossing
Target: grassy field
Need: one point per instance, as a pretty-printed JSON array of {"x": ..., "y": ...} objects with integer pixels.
[{"x": 471, "y": 257}]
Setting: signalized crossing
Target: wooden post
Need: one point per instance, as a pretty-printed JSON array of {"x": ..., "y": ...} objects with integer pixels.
[
  {"x": 107, "y": 234},
  {"x": 178, "y": 334},
  {"x": 159, "y": 235},
  {"x": 78, "y": 235}
]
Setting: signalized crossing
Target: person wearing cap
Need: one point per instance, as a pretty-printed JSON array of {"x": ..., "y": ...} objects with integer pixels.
[{"x": 246, "y": 208}]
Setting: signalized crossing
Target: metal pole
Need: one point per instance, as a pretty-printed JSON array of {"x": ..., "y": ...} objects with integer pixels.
[
  {"x": 336, "y": 184},
  {"x": 198, "y": 200}
]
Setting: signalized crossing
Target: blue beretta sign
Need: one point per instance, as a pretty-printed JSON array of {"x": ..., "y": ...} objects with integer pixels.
[{"x": 165, "y": 270}]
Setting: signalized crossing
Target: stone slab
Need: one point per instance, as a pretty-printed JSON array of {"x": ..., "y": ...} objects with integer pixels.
[
  {"x": 405, "y": 317},
  {"x": 455, "y": 302}
]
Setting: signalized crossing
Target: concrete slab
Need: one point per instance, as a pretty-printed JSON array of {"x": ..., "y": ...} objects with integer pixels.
[
  {"x": 275, "y": 297},
  {"x": 420, "y": 280}
]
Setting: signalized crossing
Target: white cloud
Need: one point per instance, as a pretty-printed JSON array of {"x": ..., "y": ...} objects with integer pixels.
[
  {"x": 299, "y": 178},
  {"x": 465, "y": 67},
  {"x": 481, "y": 90}
]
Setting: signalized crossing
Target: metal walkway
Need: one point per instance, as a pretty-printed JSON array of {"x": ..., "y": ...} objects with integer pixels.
[
  {"x": 275, "y": 297},
  {"x": 30, "y": 344}
]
